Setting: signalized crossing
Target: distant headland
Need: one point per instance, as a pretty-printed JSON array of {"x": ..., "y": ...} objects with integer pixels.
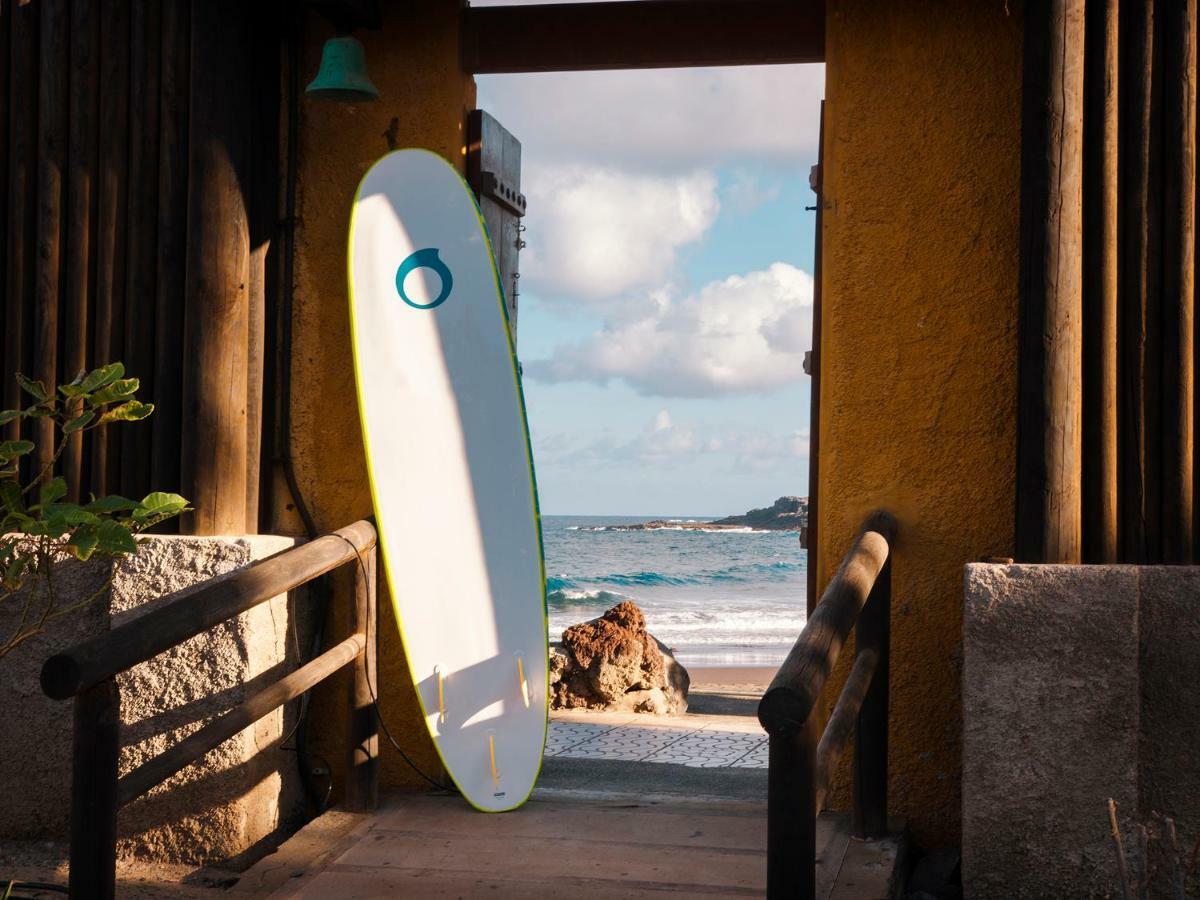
[{"x": 785, "y": 514}]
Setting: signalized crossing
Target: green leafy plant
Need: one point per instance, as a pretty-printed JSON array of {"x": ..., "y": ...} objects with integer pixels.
[{"x": 40, "y": 527}]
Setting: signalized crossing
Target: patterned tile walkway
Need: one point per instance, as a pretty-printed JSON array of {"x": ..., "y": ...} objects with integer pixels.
[{"x": 699, "y": 741}]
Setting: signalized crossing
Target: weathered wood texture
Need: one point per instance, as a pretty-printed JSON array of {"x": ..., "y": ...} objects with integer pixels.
[
  {"x": 51, "y": 166},
  {"x": 99, "y": 151},
  {"x": 800, "y": 759},
  {"x": 1101, "y": 250},
  {"x": 108, "y": 314},
  {"x": 641, "y": 35},
  {"x": 794, "y": 690},
  {"x": 1178, "y": 283},
  {"x": 180, "y": 755},
  {"x": 82, "y": 156},
  {"x": 1138, "y": 277},
  {"x": 840, "y": 726},
  {"x": 872, "y": 638},
  {"x": 218, "y": 265},
  {"x": 494, "y": 173},
  {"x": 362, "y": 779},
  {"x": 66, "y": 674},
  {"x": 792, "y": 813},
  {"x": 21, "y": 196},
  {"x": 167, "y": 424},
  {"x": 86, "y": 672},
  {"x": 96, "y": 741},
  {"x": 1049, "y": 451}
]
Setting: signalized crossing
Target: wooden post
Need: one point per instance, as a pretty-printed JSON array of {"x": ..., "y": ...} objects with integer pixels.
[
  {"x": 1049, "y": 451},
  {"x": 52, "y": 151},
  {"x": 145, "y": 53},
  {"x": 362, "y": 774},
  {"x": 81, "y": 167},
  {"x": 1101, "y": 249},
  {"x": 871, "y": 733},
  {"x": 110, "y": 222},
  {"x": 1178, "y": 300},
  {"x": 171, "y": 278},
  {"x": 214, "y": 446},
  {"x": 95, "y": 751},
  {"x": 1138, "y": 231},
  {"x": 264, "y": 224},
  {"x": 792, "y": 814},
  {"x": 21, "y": 203}
]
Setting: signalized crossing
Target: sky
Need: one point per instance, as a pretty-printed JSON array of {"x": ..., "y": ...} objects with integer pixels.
[{"x": 666, "y": 286}]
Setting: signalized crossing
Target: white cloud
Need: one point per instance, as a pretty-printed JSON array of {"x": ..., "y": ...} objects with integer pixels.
[
  {"x": 744, "y": 334},
  {"x": 662, "y": 119},
  {"x": 596, "y": 232},
  {"x": 748, "y": 191},
  {"x": 664, "y": 442}
]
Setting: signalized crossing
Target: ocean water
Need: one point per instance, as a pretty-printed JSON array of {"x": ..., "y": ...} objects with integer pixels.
[{"x": 717, "y": 598}]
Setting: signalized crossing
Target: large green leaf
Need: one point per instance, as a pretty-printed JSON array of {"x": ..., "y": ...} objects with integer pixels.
[
  {"x": 159, "y": 506},
  {"x": 127, "y": 412},
  {"x": 54, "y": 489},
  {"x": 35, "y": 389},
  {"x": 9, "y": 415},
  {"x": 12, "y": 449},
  {"x": 71, "y": 513},
  {"x": 105, "y": 375},
  {"x": 10, "y": 496},
  {"x": 84, "y": 541},
  {"x": 116, "y": 539},
  {"x": 111, "y": 504},
  {"x": 79, "y": 422},
  {"x": 122, "y": 389}
]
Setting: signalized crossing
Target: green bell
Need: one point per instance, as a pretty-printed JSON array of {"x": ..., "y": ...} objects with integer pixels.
[{"x": 343, "y": 73}]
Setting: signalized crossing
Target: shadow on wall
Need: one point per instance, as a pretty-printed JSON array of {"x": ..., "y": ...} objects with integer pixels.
[{"x": 234, "y": 800}]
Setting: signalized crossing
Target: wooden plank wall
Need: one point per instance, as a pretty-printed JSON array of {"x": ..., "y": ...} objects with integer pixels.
[
  {"x": 1130, "y": 328},
  {"x": 136, "y": 225}
]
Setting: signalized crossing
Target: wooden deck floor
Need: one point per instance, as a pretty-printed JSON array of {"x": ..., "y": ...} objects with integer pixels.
[{"x": 561, "y": 844}]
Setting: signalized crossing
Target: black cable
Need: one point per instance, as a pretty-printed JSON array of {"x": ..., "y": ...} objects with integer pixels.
[
  {"x": 371, "y": 688},
  {"x": 13, "y": 884},
  {"x": 282, "y": 442}
]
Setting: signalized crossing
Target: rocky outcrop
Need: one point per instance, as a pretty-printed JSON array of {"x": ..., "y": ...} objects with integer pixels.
[
  {"x": 785, "y": 514},
  {"x": 614, "y": 663}
]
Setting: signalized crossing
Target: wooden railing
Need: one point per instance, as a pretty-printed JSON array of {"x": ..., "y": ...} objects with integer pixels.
[
  {"x": 87, "y": 673},
  {"x": 801, "y": 760}
]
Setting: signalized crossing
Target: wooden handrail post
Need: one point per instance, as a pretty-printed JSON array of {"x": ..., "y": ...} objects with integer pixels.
[
  {"x": 871, "y": 731},
  {"x": 95, "y": 751},
  {"x": 792, "y": 814},
  {"x": 362, "y": 774}
]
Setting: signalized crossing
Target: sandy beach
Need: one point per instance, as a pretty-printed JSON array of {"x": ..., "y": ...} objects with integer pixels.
[{"x": 754, "y": 676}]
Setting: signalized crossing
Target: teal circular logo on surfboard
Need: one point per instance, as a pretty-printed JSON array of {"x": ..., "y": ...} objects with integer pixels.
[{"x": 424, "y": 259}]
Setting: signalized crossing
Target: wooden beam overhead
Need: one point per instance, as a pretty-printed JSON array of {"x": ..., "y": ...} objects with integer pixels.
[{"x": 642, "y": 34}]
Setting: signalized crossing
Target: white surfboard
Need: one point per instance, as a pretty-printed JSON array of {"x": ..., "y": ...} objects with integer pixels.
[{"x": 451, "y": 471}]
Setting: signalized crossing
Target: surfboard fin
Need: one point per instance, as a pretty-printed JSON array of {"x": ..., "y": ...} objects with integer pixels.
[
  {"x": 524, "y": 684},
  {"x": 492, "y": 758},
  {"x": 441, "y": 682}
]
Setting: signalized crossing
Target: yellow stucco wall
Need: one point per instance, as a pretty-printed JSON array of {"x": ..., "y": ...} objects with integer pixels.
[
  {"x": 425, "y": 98},
  {"x": 918, "y": 407}
]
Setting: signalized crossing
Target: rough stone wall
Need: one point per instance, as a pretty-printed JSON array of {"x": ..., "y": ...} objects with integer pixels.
[
  {"x": 1078, "y": 686},
  {"x": 918, "y": 407},
  {"x": 235, "y": 796},
  {"x": 414, "y": 60}
]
